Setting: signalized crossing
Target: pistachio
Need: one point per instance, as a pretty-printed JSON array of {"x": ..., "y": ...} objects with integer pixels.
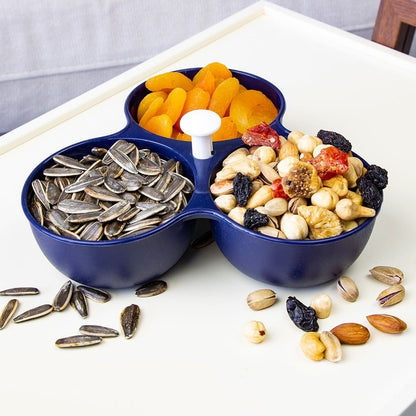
[
  {"x": 347, "y": 289},
  {"x": 387, "y": 323},
  {"x": 387, "y": 274},
  {"x": 333, "y": 350},
  {"x": 351, "y": 333},
  {"x": 311, "y": 345},
  {"x": 322, "y": 305},
  {"x": 254, "y": 331},
  {"x": 295, "y": 203},
  {"x": 392, "y": 295},
  {"x": 261, "y": 299}
]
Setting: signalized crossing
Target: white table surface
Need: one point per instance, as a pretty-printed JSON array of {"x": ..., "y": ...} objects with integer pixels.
[{"x": 188, "y": 356}]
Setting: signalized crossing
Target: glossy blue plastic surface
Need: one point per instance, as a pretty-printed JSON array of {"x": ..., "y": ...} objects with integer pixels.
[{"x": 127, "y": 262}]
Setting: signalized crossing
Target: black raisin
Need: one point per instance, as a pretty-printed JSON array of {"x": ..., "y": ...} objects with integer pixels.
[
  {"x": 254, "y": 219},
  {"x": 242, "y": 187},
  {"x": 335, "y": 139},
  {"x": 377, "y": 175},
  {"x": 371, "y": 195},
  {"x": 304, "y": 317}
]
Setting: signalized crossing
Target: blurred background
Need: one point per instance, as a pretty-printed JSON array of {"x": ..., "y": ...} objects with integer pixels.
[{"x": 55, "y": 50}]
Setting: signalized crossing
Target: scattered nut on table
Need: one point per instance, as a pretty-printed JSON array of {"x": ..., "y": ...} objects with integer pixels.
[{"x": 254, "y": 331}]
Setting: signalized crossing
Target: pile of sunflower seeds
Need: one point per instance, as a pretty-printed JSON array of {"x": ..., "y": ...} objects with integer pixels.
[{"x": 109, "y": 194}]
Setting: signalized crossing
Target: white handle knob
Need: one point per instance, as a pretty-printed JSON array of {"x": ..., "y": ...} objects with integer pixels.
[{"x": 200, "y": 125}]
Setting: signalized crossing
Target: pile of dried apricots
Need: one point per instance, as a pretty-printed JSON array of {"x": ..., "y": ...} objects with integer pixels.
[{"x": 172, "y": 94}]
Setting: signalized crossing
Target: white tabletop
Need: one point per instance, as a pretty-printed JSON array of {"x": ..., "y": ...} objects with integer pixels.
[{"x": 189, "y": 356}]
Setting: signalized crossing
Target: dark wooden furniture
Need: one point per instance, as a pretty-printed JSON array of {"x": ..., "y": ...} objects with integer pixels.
[{"x": 395, "y": 24}]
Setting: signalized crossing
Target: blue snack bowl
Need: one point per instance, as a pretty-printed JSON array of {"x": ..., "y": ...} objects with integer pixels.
[
  {"x": 116, "y": 263},
  {"x": 130, "y": 261}
]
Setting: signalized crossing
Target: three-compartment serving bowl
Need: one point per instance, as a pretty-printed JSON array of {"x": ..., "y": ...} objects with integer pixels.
[{"x": 133, "y": 260}]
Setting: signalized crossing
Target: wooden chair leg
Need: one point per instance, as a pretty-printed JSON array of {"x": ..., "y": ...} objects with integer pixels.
[{"x": 395, "y": 24}]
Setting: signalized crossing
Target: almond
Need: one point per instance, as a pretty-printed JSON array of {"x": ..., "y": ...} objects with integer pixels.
[
  {"x": 351, "y": 333},
  {"x": 387, "y": 323}
]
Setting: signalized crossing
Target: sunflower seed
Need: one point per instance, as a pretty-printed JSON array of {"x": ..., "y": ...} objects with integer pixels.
[
  {"x": 99, "y": 151},
  {"x": 34, "y": 313},
  {"x": 122, "y": 160},
  {"x": 103, "y": 194},
  {"x": 140, "y": 225},
  {"x": 136, "y": 232},
  {"x": 84, "y": 217},
  {"x": 92, "y": 232},
  {"x": 56, "y": 217},
  {"x": 153, "y": 288},
  {"x": 69, "y": 234},
  {"x": 128, "y": 215},
  {"x": 95, "y": 294},
  {"x": 151, "y": 193},
  {"x": 52, "y": 193},
  {"x": 115, "y": 185},
  {"x": 114, "y": 228},
  {"x": 101, "y": 331},
  {"x": 129, "y": 320},
  {"x": 78, "y": 341},
  {"x": 147, "y": 167},
  {"x": 55, "y": 172},
  {"x": 189, "y": 186},
  {"x": 8, "y": 312},
  {"x": 69, "y": 162},
  {"x": 146, "y": 213},
  {"x": 70, "y": 206},
  {"x": 114, "y": 211},
  {"x": 83, "y": 183},
  {"x": 20, "y": 291},
  {"x": 175, "y": 186},
  {"x": 63, "y": 296},
  {"x": 40, "y": 192},
  {"x": 79, "y": 303},
  {"x": 36, "y": 209}
]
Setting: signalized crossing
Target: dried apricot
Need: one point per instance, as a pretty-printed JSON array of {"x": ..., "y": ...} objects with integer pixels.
[
  {"x": 223, "y": 95},
  {"x": 183, "y": 136},
  {"x": 147, "y": 100},
  {"x": 169, "y": 81},
  {"x": 173, "y": 104},
  {"x": 160, "y": 125},
  {"x": 251, "y": 107},
  {"x": 196, "y": 99},
  {"x": 207, "y": 82},
  {"x": 218, "y": 69},
  {"x": 151, "y": 111},
  {"x": 227, "y": 130}
]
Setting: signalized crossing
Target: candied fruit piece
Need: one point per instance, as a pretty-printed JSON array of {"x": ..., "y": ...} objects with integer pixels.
[
  {"x": 262, "y": 135},
  {"x": 330, "y": 161},
  {"x": 160, "y": 125},
  {"x": 169, "y": 81},
  {"x": 322, "y": 222},
  {"x": 217, "y": 69},
  {"x": 254, "y": 219},
  {"x": 227, "y": 130},
  {"x": 335, "y": 139},
  {"x": 242, "y": 187},
  {"x": 173, "y": 104},
  {"x": 251, "y": 107},
  {"x": 277, "y": 189},
  {"x": 223, "y": 94},
  {"x": 147, "y": 100},
  {"x": 151, "y": 111},
  {"x": 301, "y": 181},
  {"x": 206, "y": 82}
]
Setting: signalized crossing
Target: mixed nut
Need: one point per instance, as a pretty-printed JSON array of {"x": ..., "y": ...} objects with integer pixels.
[
  {"x": 328, "y": 344},
  {"x": 302, "y": 187}
]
